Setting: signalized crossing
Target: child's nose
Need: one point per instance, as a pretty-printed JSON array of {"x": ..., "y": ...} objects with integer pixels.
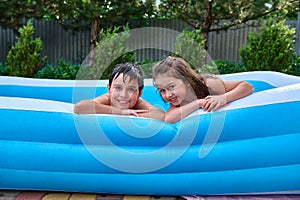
[
  {"x": 168, "y": 94},
  {"x": 124, "y": 93}
]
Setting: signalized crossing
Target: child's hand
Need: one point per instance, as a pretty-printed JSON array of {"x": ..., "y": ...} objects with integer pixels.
[
  {"x": 201, "y": 102},
  {"x": 133, "y": 112},
  {"x": 213, "y": 103}
]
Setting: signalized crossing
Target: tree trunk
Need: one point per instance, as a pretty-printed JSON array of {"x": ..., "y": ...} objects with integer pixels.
[
  {"x": 207, "y": 23},
  {"x": 205, "y": 36},
  {"x": 94, "y": 40},
  {"x": 94, "y": 33}
]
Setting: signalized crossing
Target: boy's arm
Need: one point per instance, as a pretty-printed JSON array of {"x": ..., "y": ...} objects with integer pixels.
[
  {"x": 101, "y": 105},
  {"x": 153, "y": 112},
  {"x": 98, "y": 105}
]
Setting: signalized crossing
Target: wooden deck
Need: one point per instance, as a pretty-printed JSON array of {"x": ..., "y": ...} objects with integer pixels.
[
  {"x": 36, "y": 195},
  {"x": 40, "y": 195}
]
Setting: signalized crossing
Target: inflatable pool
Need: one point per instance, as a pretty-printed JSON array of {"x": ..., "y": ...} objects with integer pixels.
[{"x": 250, "y": 146}]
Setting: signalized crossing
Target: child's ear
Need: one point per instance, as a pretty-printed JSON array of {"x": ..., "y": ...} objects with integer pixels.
[
  {"x": 108, "y": 88},
  {"x": 140, "y": 93}
]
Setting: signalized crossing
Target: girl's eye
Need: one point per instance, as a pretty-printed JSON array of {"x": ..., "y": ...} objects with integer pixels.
[
  {"x": 171, "y": 87},
  {"x": 162, "y": 91}
]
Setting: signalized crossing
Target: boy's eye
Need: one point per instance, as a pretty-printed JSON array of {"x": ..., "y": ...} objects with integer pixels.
[
  {"x": 118, "y": 88},
  {"x": 132, "y": 90}
]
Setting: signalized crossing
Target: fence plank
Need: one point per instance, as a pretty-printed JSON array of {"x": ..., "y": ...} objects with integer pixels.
[
  {"x": 74, "y": 46},
  {"x": 297, "y": 45}
]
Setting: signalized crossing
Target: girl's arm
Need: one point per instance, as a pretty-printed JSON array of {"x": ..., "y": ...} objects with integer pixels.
[
  {"x": 224, "y": 92},
  {"x": 237, "y": 90},
  {"x": 227, "y": 91},
  {"x": 175, "y": 114}
]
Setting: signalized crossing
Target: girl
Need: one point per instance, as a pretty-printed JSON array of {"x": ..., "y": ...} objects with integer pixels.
[
  {"x": 125, "y": 87},
  {"x": 186, "y": 91}
]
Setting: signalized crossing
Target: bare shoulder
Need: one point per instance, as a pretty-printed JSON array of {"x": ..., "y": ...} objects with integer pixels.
[
  {"x": 215, "y": 85},
  {"x": 213, "y": 82},
  {"x": 142, "y": 105},
  {"x": 102, "y": 99}
]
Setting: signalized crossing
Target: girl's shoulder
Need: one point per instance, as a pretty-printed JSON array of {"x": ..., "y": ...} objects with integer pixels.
[
  {"x": 210, "y": 80},
  {"x": 215, "y": 85},
  {"x": 204, "y": 77}
]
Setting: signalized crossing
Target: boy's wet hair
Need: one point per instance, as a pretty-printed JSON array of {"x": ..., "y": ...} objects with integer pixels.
[{"x": 132, "y": 70}]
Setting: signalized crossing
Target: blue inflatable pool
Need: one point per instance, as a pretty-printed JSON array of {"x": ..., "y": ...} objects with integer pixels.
[{"x": 250, "y": 146}]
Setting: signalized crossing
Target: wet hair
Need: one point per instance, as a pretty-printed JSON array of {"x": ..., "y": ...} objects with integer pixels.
[
  {"x": 131, "y": 70},
  {"x": 180, "y": 69}
]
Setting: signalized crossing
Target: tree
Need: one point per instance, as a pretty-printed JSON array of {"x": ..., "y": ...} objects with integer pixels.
[
  {"x": 93, "y": 13},
  {"x": 75, "y": 14},
  {"x": 292, "y": 13},
  {"x": 12, "y": 12},
  {"x": 217, "y": 15}
]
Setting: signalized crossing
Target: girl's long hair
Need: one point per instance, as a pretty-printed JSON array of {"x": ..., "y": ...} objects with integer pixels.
[{"x": 180, "y": 69}]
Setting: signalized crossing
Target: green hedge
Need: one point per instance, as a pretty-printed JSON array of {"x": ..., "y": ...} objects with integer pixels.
[
  {"x": 64, "y": 70},
  {"x": 67, "y": 70}
]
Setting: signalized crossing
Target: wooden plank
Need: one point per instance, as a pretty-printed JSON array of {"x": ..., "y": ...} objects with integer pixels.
[
  {"x": 109, "y": 197},
  {"x": 57, "y": 196},
  {"x": 31, "y": 195},
  {"x": 81, "y": 196},
  {"x": 131, "y": 197}
]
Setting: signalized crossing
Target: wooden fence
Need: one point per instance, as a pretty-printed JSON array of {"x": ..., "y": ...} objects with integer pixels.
[{"x": 152, "y": 42}]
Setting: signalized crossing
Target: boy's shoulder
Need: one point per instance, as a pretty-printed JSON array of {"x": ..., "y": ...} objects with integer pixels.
[
  {"x": 103, "y": 99},
  {"x": 142, "y": 105}
]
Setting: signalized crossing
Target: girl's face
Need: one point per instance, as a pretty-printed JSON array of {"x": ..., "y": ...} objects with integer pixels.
[
  {"x": 124, "y": 93},
  {"x": 174, "y": 90}
]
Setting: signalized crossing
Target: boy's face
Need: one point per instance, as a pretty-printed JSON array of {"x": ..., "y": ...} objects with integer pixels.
[{"x": 124, "y": 94}]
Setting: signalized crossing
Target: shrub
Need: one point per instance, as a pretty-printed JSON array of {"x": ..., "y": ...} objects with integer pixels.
[
  {"x": 146, "y": 66},
  {"x": 189, "y": 45},
  {"x": 24, "y": 57},
  {"x": 270, "y": 49},
  {"x": 64, "y": 70},
  {"x": 111, "y": 50},
  {"x": 228, "y": 67},
  {"x": 294, "y": 67},
  {"x": 4, "y": 71},
  {"x": 223, "y": 67}
]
